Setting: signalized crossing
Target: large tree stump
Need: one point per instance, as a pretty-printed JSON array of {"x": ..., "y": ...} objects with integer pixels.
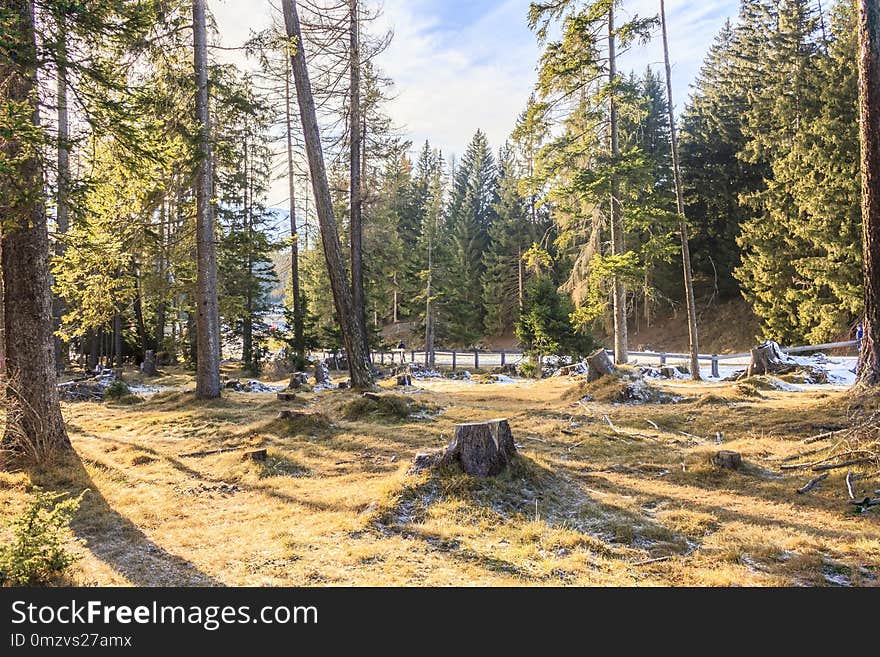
[
  {"x": 727, "y": 459},
  {"x": 768, "y": 358},
  {"x": 148, "y": 367},
  {"x": 483, "y": 449},
  {"x": 297, "y": 380},
  {"x": 598, "y": 365}
]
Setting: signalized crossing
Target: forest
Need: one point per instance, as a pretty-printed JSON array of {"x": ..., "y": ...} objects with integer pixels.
[{"x": 165, "y": 320}]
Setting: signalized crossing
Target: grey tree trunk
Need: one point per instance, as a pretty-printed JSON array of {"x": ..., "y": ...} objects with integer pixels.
[
  {"x": 355, "y": 218},
  {"x": 350, "y": 322},
  {"x": 62, "y": 204},
  {"x": 31, "y": 396},
  {"x": 429, "y": 311},
  {"x": 679, "y": 199},
  {"x": 117, "y": 340},
  {"x": 207, "y": 313},
  {"x": 298, "y": 321},
  {"x": 868, "y": 371},
  {"x": 617, "y": 237}
]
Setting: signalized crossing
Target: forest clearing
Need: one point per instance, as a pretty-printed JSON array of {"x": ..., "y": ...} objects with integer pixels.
[
  {"x": 333, "y": 503},
  {"x": 423, "y": 293}
]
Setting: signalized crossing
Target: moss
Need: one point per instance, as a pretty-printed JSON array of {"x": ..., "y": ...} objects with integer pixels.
[{"x": 385, "y": 406}]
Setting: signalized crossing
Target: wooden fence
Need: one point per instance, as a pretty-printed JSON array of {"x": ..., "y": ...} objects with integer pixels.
[{"x": 475, "y": 358}]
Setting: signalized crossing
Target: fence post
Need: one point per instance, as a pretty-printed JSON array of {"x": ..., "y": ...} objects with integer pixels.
[
  {"x": 662, "y": 359},
  {"x": 381, "y": 357},
  {"x": 715, "y": 366},
  {"x": 412, "y": 356},
  {"x": 476, "y": 359},
  {"x": 502, "y": 358},
  {"x": 453, "y": 360}
]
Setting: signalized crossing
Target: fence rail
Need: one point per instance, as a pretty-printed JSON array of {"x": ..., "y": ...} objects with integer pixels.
[{"x": 476, "y": 358}]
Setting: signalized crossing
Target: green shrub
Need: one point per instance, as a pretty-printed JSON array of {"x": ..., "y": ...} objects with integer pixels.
[
  {"x": 528, "y": 369},
  {"x": 36, "y": 554},
  {"x": 119, "y": 392}
]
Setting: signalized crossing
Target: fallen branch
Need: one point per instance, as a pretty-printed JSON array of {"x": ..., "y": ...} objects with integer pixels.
[
  {"x": 812, "y": 483},
  {"x": 654, "y": 560},
  {"x": 822, "y": 436},
  {"x": 867, "y": 502},
  {"x": 621, "y": 432},
  {"x": 653, "y": 424},
  {"x": 208, "y": 452},
  {"x": 834, "y": 466},
  {"x": 849, "y": 484}
]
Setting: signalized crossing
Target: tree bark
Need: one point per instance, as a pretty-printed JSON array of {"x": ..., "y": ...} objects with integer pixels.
[
  {"x": 31, "y": 396},
  {"x": 617, "y": 239},
  {"x": 679, "y": 200},
  {"x": 62, "y": 204},
  {"x": 483, "y": 449},
  {"x": 598, "y": 365},
  {"x": 207, "y": 313},
  {"x": 298, "y": 320},
  {"x": 356, "y": 200},
  {"x": 349, "y": 321},
  {"x": 429, "y": 311},
  {"x": 868, "y": 371}
]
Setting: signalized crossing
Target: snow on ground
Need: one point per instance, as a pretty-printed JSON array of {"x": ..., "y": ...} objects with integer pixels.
[{"x": 839, "y": 369}]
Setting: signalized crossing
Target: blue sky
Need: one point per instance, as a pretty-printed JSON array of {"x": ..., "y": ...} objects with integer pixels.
[{"x": 463, "y": 65}]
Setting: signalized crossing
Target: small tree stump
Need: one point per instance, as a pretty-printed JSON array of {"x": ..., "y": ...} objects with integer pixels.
[
  {"x": 727, "y": 459},
  {"x": 286, "y": 396},
  {"x": 148, "y": 367},
  {"x": 322, "y": 372},
  {"x": 297, "y": 380},
  {"x": 768, "y": 358},
  {"x": 255, "y": 455},
  {"x": 598, "y": 365},
  {"x": 404, "y": 380},
  {"x": 484, "y": 449},
  {"x": 344, "y": 384},
  {"x": 373, "y": 395}
]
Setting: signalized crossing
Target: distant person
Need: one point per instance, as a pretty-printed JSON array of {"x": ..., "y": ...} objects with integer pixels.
[
  {"x": 860, "y": 332},
  {"x": 401, "y": 345}
]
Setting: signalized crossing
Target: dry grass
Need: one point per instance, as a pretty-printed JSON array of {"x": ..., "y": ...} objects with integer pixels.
[{"x": 583, "y": 505}]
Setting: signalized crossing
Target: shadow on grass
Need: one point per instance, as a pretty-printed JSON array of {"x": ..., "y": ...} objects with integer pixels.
[{"x": 112, "y": 537}]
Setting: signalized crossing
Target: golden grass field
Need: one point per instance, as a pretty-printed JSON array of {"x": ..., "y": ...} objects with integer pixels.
[{"x": 334, "y": 505}]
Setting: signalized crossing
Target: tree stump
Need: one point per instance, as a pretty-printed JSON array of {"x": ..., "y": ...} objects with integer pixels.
[
  {"x": 297, "y": 380},
  {"x": 255, "y": 455},
  {"x": 344, "y": 384},
  {"x": 483, "y": 449},
  {"x": 727, "y": 459},
  {"x": 768, "y": 358},
  {"x": 286, "y": 396},
  {"x": 291, "y": 415},
  {"x": 404, "y": 380},
  {"x": 322, "y": 373},
  {"x": 148, "y": 367},
  {"x": 598, "y": 365}
]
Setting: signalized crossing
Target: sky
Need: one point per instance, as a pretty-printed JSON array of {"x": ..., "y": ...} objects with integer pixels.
[{"x": 463, "y": 65}]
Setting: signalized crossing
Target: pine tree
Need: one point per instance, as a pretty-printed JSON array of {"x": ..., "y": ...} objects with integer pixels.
[
  {"x": 471, "y": 215},
  {"x": 510, "y": 236}
]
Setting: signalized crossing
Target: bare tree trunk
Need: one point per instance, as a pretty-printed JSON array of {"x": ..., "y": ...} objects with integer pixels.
[
  {"x": 298, "y": 321},
  {"x": 429, "y": 311},
  {"x": 355, "y": 223},
  {"x": 32, "y": 399},
  {"x": 868, "y": 372},
  {"x": 350, "y": 322},
  {"x": 117, "y": 340},
  {"x": 62, "y": 211},
  {"x": 159, "y": 337},
  {"x": 617, "y": 242},
  {"x": 207, "y": 314},
  {"x": 679, "y": 199}
]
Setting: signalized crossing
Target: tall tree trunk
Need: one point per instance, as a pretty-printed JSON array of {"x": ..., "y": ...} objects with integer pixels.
[
  {"x": 350, "y": 322},
  {"x": 207, "y": 315},
  {"x": 617, "y": 242},
  {"x": 682, "y": 223},
  {"x": 247, "y": 324},
  {"x": 28, "y": 345},
  {"x": 298, "y": 320},
  {"x": 117, "y": 340},
  {"x": 161, "y": 306},
  {"x": 62, "y": 205},
  {"x": 868, "y": 372},
  {"x": 355, "y": 224},
  {"x": 429, "y": 311}
]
